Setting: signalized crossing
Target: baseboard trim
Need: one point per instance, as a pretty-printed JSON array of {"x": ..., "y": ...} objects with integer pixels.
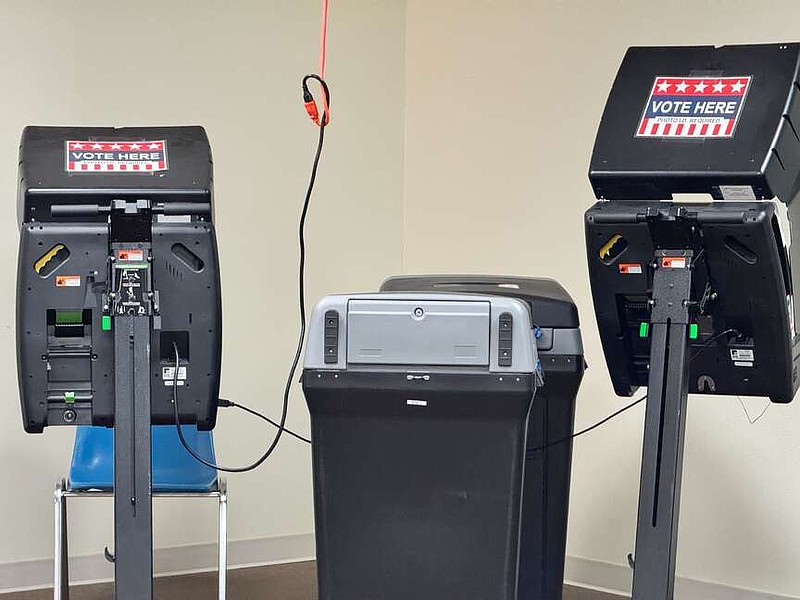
[
  {"x": 179, "y": 560},
  {"x": 617, "y": 579},
  {"x": 582, "y": 572}
]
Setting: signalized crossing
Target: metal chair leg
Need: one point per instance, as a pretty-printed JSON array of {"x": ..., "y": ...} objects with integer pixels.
[
  {"x": 61, "y": 562},
  {"x": 222, "y": 539}
]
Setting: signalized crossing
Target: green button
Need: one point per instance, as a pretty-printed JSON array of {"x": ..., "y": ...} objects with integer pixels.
[
  {"x": 693, "y": 331},
  {"x": 105, "y": 322},
  {"x": 644, "y": 329},
  {"x": 69, "y": 397}
]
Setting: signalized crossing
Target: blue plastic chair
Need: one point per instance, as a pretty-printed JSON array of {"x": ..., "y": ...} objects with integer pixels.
[
  {"x": 173, "y": 468},
  {"x": 175, "y": 473}
]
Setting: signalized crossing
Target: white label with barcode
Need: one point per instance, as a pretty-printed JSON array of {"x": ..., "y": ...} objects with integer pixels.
[
  {"x": 168, "y": 374},
  {"x": 742, "y": 355}
]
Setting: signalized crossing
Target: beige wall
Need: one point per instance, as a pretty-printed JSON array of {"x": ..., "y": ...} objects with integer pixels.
[
  {"x": 235, "y": 68},
  {"x": 502, "y": 101}
]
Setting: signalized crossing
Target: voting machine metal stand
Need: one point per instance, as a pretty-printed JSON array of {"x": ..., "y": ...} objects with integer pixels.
[
  {"x": 118, "y": 281},
  {"x": 694, "y": 297}
]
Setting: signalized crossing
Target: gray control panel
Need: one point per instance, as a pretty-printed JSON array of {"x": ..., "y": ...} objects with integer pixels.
[{"x": 421, "y": 329}]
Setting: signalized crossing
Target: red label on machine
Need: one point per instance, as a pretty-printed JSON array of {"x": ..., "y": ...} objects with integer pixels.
[
  {"x": 694, "y": 107},
  {"x": 68, "y": 281},
  {"x": 116, "y": 157},
  {"x": 131, "y": 255},
  {"x": 630, "y": 268},
  {"x": 674, "y": 262}
]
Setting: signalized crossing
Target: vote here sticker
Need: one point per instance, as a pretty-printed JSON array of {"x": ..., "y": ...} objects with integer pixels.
[
  {"x": 694, "y": 107},
  {"x": 95, "y": 156}
]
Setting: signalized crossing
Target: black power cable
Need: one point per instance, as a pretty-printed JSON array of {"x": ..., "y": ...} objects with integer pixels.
[
  {"x": 592, "y": 427},
  {"x": 302, "y": 305},
  {"x": 230, "y": 403},
  {"x": 694, "y": 355},
  {"x": 713, "y": 339},
  {"x": 600, "y": 423}
]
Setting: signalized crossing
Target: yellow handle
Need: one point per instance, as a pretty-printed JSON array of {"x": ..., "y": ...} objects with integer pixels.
[{"x": 39, "y": 264}]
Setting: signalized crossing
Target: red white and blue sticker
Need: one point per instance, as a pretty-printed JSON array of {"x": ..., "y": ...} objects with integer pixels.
[
  {"x": 694, "y": 107},
  {"x": 116, "y": 157}
]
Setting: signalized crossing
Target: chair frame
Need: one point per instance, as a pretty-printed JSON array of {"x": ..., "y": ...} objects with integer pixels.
[{"x": 63, "y": 492}]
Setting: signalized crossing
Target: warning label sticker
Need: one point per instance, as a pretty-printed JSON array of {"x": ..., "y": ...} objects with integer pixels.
[
  {"x": 673, "y": 262},
  {"x": 694, "y": 107},
  {"x": 133, "y": 254},
  {"x": 68, "y": 281},
  {"x": 116, "y": 157},
  {"x": 630, "y": 268}
]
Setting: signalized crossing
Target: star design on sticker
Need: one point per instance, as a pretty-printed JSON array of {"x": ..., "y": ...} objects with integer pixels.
[
  {"x": 718, "y": 87},
  {"x": 664, "y": 86},
  {"x": 77, "y": 146},
  {"x": 738, "y": 87},
  {"x": 700, "y": 87},
  {"x": 154, "y": 146},
  {"x": 681, "y": 87},
  {"x": 97, "y": 146},
  {"x": 135, "y": 146},
  {"x": 116, "y": 147}
]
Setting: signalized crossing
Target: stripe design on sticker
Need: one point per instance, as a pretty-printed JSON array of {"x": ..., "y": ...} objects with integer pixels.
[
  {"x": 694, "y": 107},
  {"x": 95, "y": 157}
]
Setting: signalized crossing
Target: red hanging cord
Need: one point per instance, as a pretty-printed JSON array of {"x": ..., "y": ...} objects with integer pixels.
[
  {"x": 308, "y": 99},
  {"x": 323, "y": 39}
]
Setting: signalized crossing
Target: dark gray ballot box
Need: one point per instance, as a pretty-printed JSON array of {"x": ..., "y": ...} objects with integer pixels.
[
  {"x": 548, "y": 462},
  {"x": 419, "y": 407}
]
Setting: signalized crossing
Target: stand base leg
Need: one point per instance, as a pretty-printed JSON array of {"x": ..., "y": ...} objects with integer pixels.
[{"x": 61, "y": 562}]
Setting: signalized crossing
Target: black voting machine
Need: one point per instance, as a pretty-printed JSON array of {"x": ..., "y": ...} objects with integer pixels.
[
  {"x": 694, "y": 297},
  {"x": 118, "y": 280}
]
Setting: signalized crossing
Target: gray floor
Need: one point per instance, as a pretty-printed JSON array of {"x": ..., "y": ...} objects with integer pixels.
[{"x": 280, "y": 582}]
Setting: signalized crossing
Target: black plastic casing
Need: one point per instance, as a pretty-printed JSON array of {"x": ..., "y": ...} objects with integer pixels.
[
  {"x": 437, "y": 494},
  {"x": 545, "y": 500},
  {"x": 739, "y": 253},
  {"x": 187, "y": 283},
  {"x": 740, "y": 257},
  {"x": 44, "y": 180},
  {"x": 763, "y": 154}
]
